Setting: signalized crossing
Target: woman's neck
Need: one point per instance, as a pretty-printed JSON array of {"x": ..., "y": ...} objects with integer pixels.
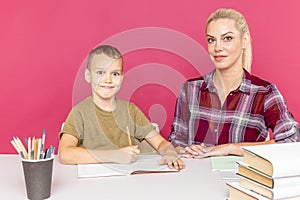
[
  {"x": 228, "y": 78},
  {"x": 226, "y": 81}
]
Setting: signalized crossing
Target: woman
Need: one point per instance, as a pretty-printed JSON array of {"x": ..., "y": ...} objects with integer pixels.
[{"x": 229, "y": 108}]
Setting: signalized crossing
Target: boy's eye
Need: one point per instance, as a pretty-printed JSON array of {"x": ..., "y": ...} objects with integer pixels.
[
  {"x": 116, "y": 74},
  {"x": 100, "y": 72},
  {"x": 227, "y": 38},
  {"x": 210, "y": 40}
]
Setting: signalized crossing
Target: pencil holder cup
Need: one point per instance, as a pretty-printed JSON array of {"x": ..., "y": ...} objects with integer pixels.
[{"x": 38, "y": 178}]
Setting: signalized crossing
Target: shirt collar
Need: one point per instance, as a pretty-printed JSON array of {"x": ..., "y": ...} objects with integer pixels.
[
  {"x": 246, "y": 83},
  {"x": 209, "y": 84}
]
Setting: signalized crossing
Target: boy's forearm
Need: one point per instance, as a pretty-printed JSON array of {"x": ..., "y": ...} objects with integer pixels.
[
  {"x": 166, "y": 147},
  {"x": 76, "y": 155},
  {"x": 79, "y": 155}
]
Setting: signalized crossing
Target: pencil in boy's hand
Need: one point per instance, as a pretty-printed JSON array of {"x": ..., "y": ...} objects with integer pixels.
[{"x": 128, "y": 134}]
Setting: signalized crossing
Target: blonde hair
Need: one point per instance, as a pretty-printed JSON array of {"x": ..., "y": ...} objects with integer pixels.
[
  {"x": 241, "y": 25},
  {"x": 108, "y": 50}
]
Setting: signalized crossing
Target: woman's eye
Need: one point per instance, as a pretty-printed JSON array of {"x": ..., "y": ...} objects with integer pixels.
[
  {"x": 228, "y": 38},
  {"x": 210, "y": 40}
]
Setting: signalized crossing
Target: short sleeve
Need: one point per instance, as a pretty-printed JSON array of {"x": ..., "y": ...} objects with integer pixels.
[
  {"x": 142, "y": 124},
  {"x": 70, "y": 127}
]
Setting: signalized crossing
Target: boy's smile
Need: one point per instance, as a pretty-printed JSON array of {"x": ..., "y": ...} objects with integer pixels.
[{"x": 105, "y": 76}]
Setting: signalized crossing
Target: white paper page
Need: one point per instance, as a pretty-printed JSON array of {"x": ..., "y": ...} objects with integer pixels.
[{"x": 143, "y": 162}]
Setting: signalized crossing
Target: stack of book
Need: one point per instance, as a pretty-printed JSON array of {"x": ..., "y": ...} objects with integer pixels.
[{"x": 268, "y": 172}]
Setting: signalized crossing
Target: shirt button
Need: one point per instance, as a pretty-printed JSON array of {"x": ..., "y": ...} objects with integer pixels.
[{"x": 216, "y": 130}]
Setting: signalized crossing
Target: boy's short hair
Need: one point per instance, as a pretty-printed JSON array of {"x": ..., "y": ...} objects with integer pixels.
[{"x": 108, "y": 50}]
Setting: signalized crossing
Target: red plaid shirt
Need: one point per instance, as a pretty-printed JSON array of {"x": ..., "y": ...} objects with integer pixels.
[{"x": 247, "y": 114}]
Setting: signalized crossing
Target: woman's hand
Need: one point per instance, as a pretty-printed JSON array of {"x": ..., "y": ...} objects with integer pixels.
[
  {"x": 195, "y": 151},
  {"x": 203, "y": 151}
]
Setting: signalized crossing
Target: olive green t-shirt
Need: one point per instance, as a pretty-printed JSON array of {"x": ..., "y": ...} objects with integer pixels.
[{"x": 99, "y": 129}]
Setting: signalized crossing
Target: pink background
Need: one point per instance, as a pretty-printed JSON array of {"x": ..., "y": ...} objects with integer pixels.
[{"x": 44, "y": 43}]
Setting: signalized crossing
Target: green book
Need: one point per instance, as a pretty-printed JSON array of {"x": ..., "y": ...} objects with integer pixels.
[
  {"x": 226, "y": 166},
  {"x": 219, "y": 163}
]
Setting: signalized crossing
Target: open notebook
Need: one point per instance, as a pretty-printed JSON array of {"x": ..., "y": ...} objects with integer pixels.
[{"x": 143, "y": 164}]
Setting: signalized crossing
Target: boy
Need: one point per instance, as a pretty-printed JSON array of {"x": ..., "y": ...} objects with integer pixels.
[{"x": 100, "y": 128}]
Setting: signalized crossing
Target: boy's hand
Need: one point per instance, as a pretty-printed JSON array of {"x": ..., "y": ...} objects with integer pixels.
[
  {"x": 172, "y": 160},
  {"x": 125, "y": 155}
]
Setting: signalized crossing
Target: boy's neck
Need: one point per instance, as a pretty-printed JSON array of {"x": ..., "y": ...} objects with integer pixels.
[{"x": 106, "y": 104}]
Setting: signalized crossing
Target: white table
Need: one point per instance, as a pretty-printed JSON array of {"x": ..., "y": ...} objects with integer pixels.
[{"x": 197, "y": 181}]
